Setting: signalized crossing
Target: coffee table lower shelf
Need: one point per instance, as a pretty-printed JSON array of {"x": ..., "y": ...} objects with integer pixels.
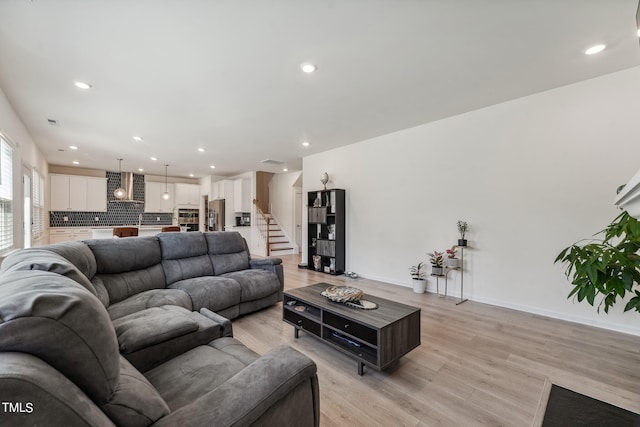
[{"x": 376, "y": 338}]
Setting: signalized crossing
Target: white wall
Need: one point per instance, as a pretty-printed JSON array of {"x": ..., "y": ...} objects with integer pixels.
[
  {"x": 530, "y": 176},
  {"x": 281, "y": 200},
  {"x": 27, "y": 153}
]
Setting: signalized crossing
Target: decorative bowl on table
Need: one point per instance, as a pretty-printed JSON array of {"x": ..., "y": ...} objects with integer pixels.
[{"x": 342, "y": 293}]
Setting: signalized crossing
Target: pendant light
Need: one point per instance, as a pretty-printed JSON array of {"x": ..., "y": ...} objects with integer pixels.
[
  {"x": 165, "y": 195},
  {"x": 120, "y": 192}
]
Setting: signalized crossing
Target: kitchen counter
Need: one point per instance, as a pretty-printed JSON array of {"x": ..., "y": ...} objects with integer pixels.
[{"x": 107, "y": 232}]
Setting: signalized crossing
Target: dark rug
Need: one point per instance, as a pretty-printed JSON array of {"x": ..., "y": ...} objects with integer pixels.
[{"x": 567, "y": 408}]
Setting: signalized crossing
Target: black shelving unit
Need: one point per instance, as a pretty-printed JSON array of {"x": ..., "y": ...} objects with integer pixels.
[{"x": 326, "y": 231}]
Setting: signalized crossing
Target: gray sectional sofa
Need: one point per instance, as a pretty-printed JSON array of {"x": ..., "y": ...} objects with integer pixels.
[{"x": 136, "y": 332}]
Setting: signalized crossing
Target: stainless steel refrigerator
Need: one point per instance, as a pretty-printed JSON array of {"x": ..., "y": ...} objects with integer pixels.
[{"x": 215, "y": 222}]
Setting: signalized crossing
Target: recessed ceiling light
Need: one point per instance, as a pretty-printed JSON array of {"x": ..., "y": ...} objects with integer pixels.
[
  {"x": 154, "y": 158},
  {"x": 75, "y": 162},
  {"x": 285, "y": 170},
  {"x": 305, "y": 144},
  {"x": 191, "y": 175},
  {"x": 82, "y": 85},
  {"x": 212, "y": 167},
  {"x": 638, "y": 32},
  {"x": 140, "y": 170},
  {"x": 595, "y": 49},
  {"x": 73, "y": 147},
  {"x": 201, "y": 150},
  {"x": 307, "y": 67},
  {"x": 137, "y": 138}
]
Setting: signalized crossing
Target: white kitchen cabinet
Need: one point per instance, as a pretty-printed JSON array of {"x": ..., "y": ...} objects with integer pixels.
[
  {"x": 215, "y": 191},
  {"x": 57, "y": 235},
  {"x": 96, "y": 194},
  {"x": 187, "y": 194},
  {"x": 241, "y": 195},
  {"x": 153, "y": 200},
  {"x": 222, "y": 189},
  {"x": 59, "y": 192},
  {"x": 78, "y": 193}
]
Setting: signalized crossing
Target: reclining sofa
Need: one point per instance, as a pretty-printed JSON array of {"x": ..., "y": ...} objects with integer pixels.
[{"x": 136, "y": 332}]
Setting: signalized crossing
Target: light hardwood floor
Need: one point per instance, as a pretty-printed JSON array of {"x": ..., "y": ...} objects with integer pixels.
[{"x": 477, "y": 365}]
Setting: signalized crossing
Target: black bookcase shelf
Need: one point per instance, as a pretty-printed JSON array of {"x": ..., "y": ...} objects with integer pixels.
[{"x": 326, "y": 231}]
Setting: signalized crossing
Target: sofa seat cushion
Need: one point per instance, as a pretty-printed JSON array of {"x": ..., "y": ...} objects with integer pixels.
[
  {"x": 255, "y": 284},
  {"x": 135, "y": 402},
  {"x": 148, "y": 299},
  {"x": 212, "y": 292},
  {"x": 152, "y": 326},
  {"x": 183, "y": 379}
]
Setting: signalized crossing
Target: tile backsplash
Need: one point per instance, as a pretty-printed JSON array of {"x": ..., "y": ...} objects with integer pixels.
[{"x": 118, "y": 213}]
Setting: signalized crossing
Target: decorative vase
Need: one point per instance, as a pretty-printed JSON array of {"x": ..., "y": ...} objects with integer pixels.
[
  {"x": 462, "y": 242},
  {"x": 436, "y": 271},
  {"x": 324, "y": 178},
  {"x": 317, "y": 260},
  {"x": 419, "y": 285},
  {"x": 453, "y": 262}
]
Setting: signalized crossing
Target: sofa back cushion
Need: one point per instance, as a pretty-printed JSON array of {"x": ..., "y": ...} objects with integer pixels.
[
  {"x": 124, "y": 255},
  {"x": 184, "y": 255},
  {"x": 227, "y": 251},
  {"x": 42, "y": 259},
  {"x": 57, "y": 320},
  {"x": 78, "y": 254},
  {"x": 121, "y": 286},
  {"x": 129, "y": 266}
]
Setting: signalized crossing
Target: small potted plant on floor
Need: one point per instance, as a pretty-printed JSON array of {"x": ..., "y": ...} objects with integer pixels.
[
  {"x": 462, "y": 229},
  {"x": 418, "y": 275},
  {"x": 452, "y": 261},
  {"x": 436, "y": 259}
]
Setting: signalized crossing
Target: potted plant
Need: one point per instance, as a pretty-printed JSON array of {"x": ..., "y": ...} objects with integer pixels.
[
  {"x": 437, "y": 261},
  {"x": 462, "y": 229},
  {"x": 607, "y": 267},
  {"x": 418, "y": 275},
  {"x": 452, "y": 261}
]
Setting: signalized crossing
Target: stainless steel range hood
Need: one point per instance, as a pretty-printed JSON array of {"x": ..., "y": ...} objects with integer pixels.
[{"x": 126, "y": 184}]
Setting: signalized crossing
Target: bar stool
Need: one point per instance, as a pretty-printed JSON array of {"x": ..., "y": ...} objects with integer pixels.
[{"x": 125, "y": 231}]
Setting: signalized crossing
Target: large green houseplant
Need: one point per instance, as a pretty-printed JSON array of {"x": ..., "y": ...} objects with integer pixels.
[{"x": 609, "y": 267}]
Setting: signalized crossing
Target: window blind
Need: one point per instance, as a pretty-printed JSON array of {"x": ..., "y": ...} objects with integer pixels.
[
  {"x": 37, "y": 228},
  {"x": 6, "y": 196}
]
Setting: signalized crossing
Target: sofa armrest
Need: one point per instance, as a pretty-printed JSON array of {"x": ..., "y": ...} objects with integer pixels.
[
  {"x": 41, "y": 395},
  {"x": 280, "y": 388},
  {"x": 269, "y": 264},
  {"x": 226, "y": 329}
]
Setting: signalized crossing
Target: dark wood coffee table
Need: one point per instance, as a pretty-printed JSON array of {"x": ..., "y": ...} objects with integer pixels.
[{"x": 376, "y": 337}]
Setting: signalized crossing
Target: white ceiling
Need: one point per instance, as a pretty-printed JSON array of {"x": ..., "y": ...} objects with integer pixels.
[{"x": 225, "y": 76}]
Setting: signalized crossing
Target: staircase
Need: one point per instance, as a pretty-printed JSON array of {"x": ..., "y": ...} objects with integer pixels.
[
  {"x": 279, "y": 244},
  {"x": 272, "y": 238}
]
